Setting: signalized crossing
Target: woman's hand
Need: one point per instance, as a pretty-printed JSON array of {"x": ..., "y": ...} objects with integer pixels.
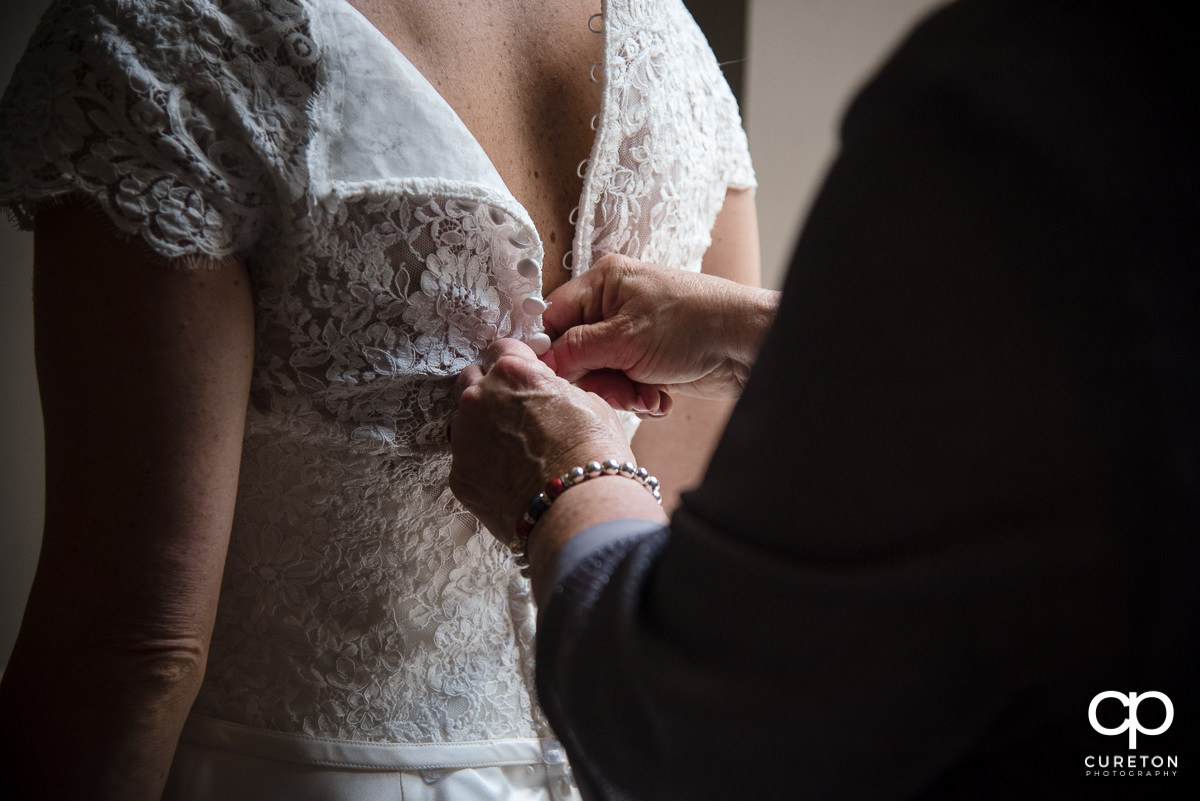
[
  {"x": 634, "y": 333},
  {"x": 517, "y": 426}
]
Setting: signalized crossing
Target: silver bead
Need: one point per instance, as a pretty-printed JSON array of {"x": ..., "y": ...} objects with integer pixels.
[
  {"x": 652, "y": 482},
  {"x": 573, "y": 476},
  {"x": 611, "y": 467},
  {"x": 593, "y": 469},
  {"x": 629, "y": 470}
]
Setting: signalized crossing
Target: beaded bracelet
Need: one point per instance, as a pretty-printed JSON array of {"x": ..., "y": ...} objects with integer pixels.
[{"x": 519, "y": 545}]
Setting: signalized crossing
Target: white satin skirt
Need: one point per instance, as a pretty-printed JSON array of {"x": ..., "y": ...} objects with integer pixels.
[{"x": 219, "y": 761}]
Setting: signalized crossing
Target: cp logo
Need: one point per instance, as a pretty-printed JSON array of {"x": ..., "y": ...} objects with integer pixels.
[{"x": 1131, "y": 723}]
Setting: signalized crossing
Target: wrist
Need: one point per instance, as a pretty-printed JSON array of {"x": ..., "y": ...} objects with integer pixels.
[
  {"x": 744, "y": 325},
  {"x": 556, "y": 487},
  {"x": 601, "y": 501}
]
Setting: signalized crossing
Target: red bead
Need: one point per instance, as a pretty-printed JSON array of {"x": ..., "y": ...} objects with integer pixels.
[
  {"x": 554, "y": 488},
  {"x": 524, "y": 528}
]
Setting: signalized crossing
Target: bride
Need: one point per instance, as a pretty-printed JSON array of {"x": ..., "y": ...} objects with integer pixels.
[{"x": 268, "y": 235}]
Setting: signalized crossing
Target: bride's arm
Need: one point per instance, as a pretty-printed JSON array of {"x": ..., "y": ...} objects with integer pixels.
[
  {"x": 677, "y": 448},
  {"x": 144, "y": 372}
]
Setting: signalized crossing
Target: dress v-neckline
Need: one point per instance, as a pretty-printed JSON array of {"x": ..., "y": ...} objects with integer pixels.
[{"x": 432, "y": 90}]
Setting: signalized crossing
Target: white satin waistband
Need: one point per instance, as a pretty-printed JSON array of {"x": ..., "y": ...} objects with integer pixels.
[{"x": 328, "y": 752}]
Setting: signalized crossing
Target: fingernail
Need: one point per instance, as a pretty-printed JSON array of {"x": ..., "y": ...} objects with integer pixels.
[{"x": 650, "y": 397}]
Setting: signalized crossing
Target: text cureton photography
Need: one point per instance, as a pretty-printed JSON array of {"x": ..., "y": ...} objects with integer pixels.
[{"x": 1127, "y": 705}]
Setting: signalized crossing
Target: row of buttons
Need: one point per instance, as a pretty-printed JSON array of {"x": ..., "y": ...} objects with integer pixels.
[{"x": 533, "y": 305}]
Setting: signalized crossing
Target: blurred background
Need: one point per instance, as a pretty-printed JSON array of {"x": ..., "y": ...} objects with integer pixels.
[{"x": 794, "y": 65}]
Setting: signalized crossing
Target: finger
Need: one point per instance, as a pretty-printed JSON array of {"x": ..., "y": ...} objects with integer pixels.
[
  {"x": 583, "y": 349},
  {"x": 655, "y": 400},
  {"x": 470, "y": 376},
  {"x": 613, "y": 386},
  {"x": 505, "y": 347},
  {"x": 619, "y": 392},
  {"x": 574, "y": 303},
  {"x": 593, "y": 296}
]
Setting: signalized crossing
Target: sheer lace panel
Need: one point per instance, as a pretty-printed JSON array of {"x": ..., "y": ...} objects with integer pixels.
[
  {"x": 368, "y": 311},
  {"x": 669, "y": 144}
]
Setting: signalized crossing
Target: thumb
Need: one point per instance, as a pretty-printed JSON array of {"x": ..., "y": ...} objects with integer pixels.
[
  {"x": 577, "y": 302},
  {"x": 588, "y": 348}
]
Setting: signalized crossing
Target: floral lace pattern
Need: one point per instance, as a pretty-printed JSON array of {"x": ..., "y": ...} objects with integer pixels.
[
  {"x": 146, "y": 108},
  {"x": 359, "y": 600},
  {"x": 669, "y": 143}
]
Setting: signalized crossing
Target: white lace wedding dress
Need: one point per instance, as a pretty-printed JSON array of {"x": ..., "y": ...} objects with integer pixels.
[{"x": 369, "y": 637}]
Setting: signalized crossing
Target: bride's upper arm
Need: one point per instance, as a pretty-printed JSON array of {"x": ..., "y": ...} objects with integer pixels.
[
  {"x": 734, "y": 252},
  {"x": 144, "y": 373}
]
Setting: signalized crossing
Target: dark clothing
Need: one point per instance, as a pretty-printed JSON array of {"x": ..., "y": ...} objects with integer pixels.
[{"x": 960, "y": 496}]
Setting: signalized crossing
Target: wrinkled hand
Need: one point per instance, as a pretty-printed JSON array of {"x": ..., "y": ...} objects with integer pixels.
[
  {"x": 634, "y": 333},
  {"x": 517, "y": 426}
]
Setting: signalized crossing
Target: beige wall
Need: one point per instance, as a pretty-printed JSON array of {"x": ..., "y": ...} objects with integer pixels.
[{"x": 805, "y": 58}]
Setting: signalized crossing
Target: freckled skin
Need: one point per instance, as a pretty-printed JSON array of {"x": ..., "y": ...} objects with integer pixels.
[{"x": 519, "y": 76}]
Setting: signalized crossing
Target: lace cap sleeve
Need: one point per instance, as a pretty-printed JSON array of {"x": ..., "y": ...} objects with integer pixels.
[
  {"x": 724, "y": 128},
  {"x": 183, "y": 119},
  {"x": 731, "y": 136},
  {"x": 739, "y": 170}
]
